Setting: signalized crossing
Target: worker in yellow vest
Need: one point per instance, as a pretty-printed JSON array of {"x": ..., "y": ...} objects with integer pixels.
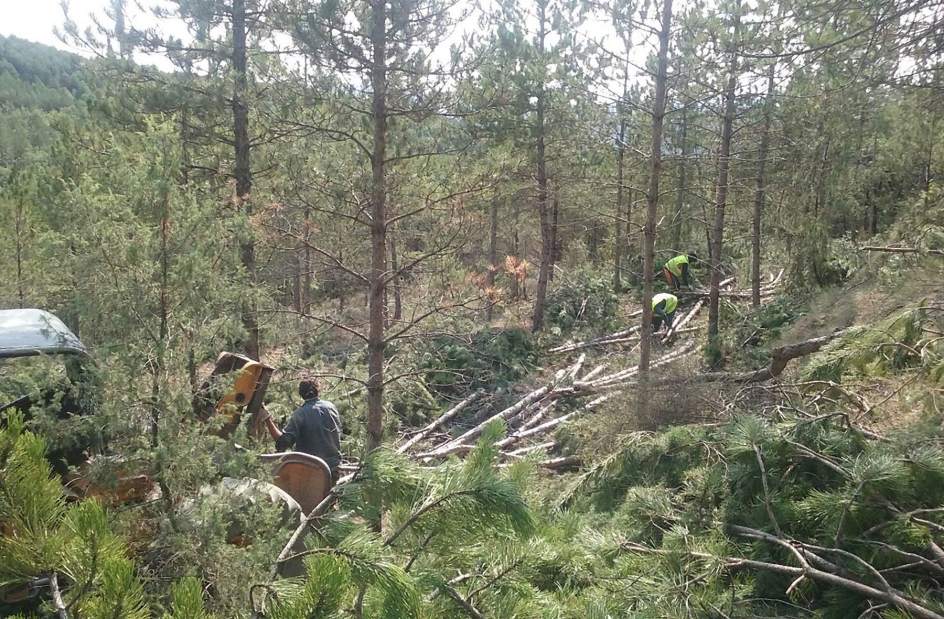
[
  {"x": 676, "y": 271},
  {"x": 663, "y": 310}
]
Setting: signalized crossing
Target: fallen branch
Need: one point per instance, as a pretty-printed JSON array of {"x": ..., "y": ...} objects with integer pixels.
[
  {"x": 554, "y": 464},
  {"x": 779, "y": 358},
  {"x": 903, "y": 250},
  {"x": 678, "y": 326},
  {"x": 57, "y": 596},
  {"x": 544, "y": 427},
  {"x": 890, "y": 596},
  {"x": 452, "y": 412},
  {"x": 801, "y": 551},
  {"x": 563, "y": 462},
  {"x": 463, "y": 604},
  {"x": 314, "y": 514},
  {"x": 450, "y": 446},
  {"x": 597, "y": 341},
  {"x": 526, "y": 450}
]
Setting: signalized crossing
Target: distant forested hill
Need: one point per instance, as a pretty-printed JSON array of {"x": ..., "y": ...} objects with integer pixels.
[{"x": 38, "y": 76}]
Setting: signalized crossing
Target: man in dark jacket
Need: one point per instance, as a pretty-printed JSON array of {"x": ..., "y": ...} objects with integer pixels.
[{"x": 314, "y": 428}]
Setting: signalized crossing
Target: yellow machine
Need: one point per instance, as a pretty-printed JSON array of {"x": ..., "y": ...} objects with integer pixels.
[{"x": 244, "y": 394}]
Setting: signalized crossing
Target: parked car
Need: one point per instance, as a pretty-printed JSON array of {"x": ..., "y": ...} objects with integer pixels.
[{"x": 47, "y": 374}]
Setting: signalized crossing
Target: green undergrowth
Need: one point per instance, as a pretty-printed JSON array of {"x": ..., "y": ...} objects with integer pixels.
[
  {"x": 748, "y": 343},
  {"x": 663, "y": 511},
  {"x": 584, "y": 301},
  {"x": 895, "y": 344},
  {"x": 489, "y": 359}
]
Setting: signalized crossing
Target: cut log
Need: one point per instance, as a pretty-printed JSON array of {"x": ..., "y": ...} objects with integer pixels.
[
  {"x": 556, "y": 464},
  {"x": 780, "y": 357},
  {"x": 677, "y": 326},
  {"x": 532, "y": 416},
  {"x": 452, "y": 412},
  {"x": 589, "y": 386},
  {"x": 450, "y": 446},
  {"x": 553, "y": 423},
  {"x": 597, "y": 341},
  {"x": 904, "y": 250},
  {"x": 506, "y": 414},
  {"x": 526, "y": 450}
]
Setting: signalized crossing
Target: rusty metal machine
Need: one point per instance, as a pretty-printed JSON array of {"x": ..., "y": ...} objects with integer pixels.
[{"x": 236, "y": 388}]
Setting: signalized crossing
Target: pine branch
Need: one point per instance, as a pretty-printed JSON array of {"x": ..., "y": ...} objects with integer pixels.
[{"x": 57, "y": 596}]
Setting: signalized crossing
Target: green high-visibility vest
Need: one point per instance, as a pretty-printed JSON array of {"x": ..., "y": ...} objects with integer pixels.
[
  {"x": 671, "y": 302},
  {"x": 675, "y": 265}
]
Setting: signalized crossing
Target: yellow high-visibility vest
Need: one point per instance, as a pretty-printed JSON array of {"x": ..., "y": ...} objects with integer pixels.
[
  {"x": 675, "y": 265},
  {"x": 671, "y": 301}
]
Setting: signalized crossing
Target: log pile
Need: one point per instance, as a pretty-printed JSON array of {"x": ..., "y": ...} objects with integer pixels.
[
  {"x": 530, "y": 418},
  {"x": 534, "y": 416}
]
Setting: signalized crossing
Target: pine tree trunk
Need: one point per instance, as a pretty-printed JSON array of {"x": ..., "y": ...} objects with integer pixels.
[
  {"x": 297, "y": 267},
  {"x": 243, "y": 173},
  {"x": 721, "y": 197},
  {"x": 628, "y": 232},
  {"x": 759, "y": 195},
  {"x": 492, "y": 257},
  {"x": 395, "y": 267},
  {"x": 163, "y": 307},
  {"x": 547, "y": 241},
  {"x": 19, "y": 232},
  {"x": 652, "y": 205},
  {"x": 682, "y": 186},
  {"x": 555, "y": 236},
  {"x": 619, "y": 240},
  {"x": 378, "y": 228},
  {"x": 308, "y": 267},
  {"x": 516, "y": 252},
  {"x": 928, "y": 174}
]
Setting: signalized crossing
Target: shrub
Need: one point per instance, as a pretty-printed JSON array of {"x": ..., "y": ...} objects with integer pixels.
[
  {"x": 490, "y": 359},
  {"x": 587, "y": 299},
  {"x": 879, "y": 350}
]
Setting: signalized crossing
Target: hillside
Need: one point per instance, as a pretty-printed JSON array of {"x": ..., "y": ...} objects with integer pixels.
[{"x": 526, "y": 309}]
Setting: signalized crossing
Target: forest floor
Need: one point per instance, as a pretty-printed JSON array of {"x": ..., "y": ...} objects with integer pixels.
[
  {"x": 591, "y": 387},
  {"x": 868, "y": 299}
]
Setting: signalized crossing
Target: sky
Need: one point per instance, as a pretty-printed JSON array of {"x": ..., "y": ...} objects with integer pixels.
[{"x": 35, "y": 20}]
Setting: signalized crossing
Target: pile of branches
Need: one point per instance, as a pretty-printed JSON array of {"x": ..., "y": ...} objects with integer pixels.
[
  {"x": 532, "y": 416},
  {"x": 812, "y": 511}
]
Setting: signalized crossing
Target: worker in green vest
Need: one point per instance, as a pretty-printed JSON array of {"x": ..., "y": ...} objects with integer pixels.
[
  {"x": 676, "y": 271},
  {"x": 663, "y": 310}
]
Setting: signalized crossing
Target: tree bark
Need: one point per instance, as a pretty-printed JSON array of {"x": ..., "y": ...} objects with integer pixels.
[
  {"x": 378, "y": 227},
  {"x": 243, "y": 173},
  {"x": 721, "y": 197},
  {"x": 555, "y": 234},
  {"x": 652, "y": 199},
  {"x": 492, "y": 257},
  {"x": 307, "y": 264},
  {"x": 516, "y": 252},
  {"x": 683, "y": 185},
  {"x": 395, "y": 267},
  {"x": 19, "y": 232},
  {"x": 619, "y": 239},
  {"x": 547, "y": 241},
  {"x": 760, "y": 193}
]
